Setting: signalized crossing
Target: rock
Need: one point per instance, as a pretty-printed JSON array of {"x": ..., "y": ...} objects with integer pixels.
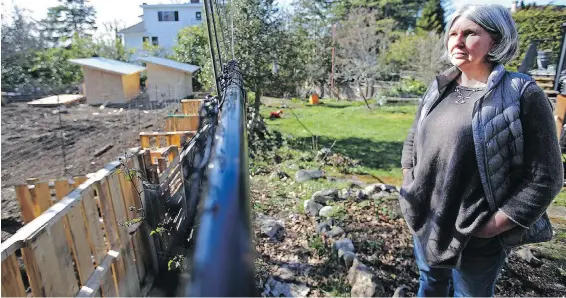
[
  {"x": 364, "y": 283},
  {"x": 335, "y": 232},
  {"x": 379, "y": 195},
  {"x": 276, "y": 288},
  {"x": 312, "y": 208},
  {"x": 360, "y": 195},
  {"x": 348, "y": 257},
  {"x": 270, "y": 227},
  {"x": 323, "y": 153},
  {"x": 325, "y": 195},
  {"x": 344, "y": 245},
  {"x": 374, "y": 188},
  {"x": 306, "y": 175},
  {"x": 322, "y": 227},
  {"x": 378, "y": 187},
  {"x": 390, "y": 188},
  {"x": 326, "y": 211},
  {"x": 526, "y": 255},
  {"x": 285, "y": 272},
  {"x": 278, "y": 175},
  {"x": 400, "y": 291},
  {"x": 293, "y": 166}
]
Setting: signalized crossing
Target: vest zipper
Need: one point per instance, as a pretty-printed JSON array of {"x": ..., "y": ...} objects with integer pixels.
[{"x": 489, "y": 195}]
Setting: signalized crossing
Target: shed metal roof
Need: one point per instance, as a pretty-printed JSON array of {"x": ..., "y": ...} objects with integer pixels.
[
  {"x": 109, "y": 65},
  {"x": 169, "y": 63}
]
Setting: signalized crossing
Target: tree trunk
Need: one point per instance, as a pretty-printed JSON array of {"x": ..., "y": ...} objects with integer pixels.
[
  {"x": 257, "y": 102},
  {"x": 363, "y": 96}
]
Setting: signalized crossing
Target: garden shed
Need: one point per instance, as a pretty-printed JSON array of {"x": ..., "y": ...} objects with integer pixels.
[
  {"x": 109, "y": 81},
  {"x": 168, "y": 79}
]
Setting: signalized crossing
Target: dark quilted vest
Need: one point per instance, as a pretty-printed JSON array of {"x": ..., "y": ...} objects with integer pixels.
[{"x": 498, "y": 141}]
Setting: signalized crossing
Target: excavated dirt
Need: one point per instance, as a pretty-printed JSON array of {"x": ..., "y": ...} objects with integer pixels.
[{"x": 32, "y": 144}]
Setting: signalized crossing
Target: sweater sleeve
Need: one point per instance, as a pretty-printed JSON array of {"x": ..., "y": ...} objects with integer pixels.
[
  {"x": 408, "y": 146},
  {"x": 543, "y": 170}
]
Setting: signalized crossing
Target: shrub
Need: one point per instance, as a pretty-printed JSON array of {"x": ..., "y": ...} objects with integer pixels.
[{"x": 407, "y": 88}]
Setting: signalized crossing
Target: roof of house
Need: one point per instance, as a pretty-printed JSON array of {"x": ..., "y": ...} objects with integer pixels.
[
  {"x": 173, "y": 5},
  {"x": 169, "y": 63},
  {"x": 137, "y": 28},
  {"x": 109, "y": 65}
]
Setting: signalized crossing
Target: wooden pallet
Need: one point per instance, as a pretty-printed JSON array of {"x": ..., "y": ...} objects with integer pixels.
[
  {"x": 54, "y": 100},
  {"x": 181, "y": 122},
  {"x": 71, "y": 245},
  {"x": 191, "y": 106},
  {"x": 164, "y": 139}
]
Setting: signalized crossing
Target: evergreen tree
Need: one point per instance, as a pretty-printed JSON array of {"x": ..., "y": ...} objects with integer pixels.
[
  {"x": 70, "y": 18},
  {"x": 258, "y": 29},
  {"x": 432, "y": 17}
]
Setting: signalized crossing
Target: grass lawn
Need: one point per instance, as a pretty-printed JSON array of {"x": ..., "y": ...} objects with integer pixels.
[{"x": 374, "y": 137}]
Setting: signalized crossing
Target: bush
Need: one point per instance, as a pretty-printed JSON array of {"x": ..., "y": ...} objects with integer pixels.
[
  {"x": 542, "y": 23},
  {"x": 406, "y": 88},
  {"x": 420, "y": 53}
]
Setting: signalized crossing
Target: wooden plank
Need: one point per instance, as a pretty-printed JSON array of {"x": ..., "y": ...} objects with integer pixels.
[
  {"x": 148, "y": 245},
  {"x": 62, "y": 188},
  {"x": 103, "y": 150},
  {"x": 43, "y": 196},
  {"x": 108, "y": 284},
  {"x": 112, "y": 233},
  {"x": 12, "y": 283},
  {"x": 79, "y": 180},
  {"x": 120, "y": 211},
  {"x": 33, "y": 272},
  {"x": 94, "y": 227},
  {"x": 80, "y": 244},
  {"x": 144, "y": 141},
  {"x": 101, "y": 278},
  {"x": 161, "y": 164},
  {"x": 128, "y": 190},
  {"x": 26, "y": 204},
  {"x": 54, "y": 262}
]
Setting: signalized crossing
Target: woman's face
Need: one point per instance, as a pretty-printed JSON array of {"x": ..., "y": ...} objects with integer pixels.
[{"x": 468, "y": 44}]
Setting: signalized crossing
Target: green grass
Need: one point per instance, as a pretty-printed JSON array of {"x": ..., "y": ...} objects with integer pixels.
[
  {"x": 374, "y": 137},
  {"x": 560, "y": 200}
]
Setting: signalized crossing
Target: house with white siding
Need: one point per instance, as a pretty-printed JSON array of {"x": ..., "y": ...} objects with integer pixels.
[{"x": 160, "y": 24}]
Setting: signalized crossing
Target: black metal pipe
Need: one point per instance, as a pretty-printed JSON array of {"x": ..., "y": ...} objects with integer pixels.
[
  {"x": 561, "y": 60},
  {"x": 208, "y": 18},
  {"x": 223, "y": 263},
  {"x": 216, "y": 36}
]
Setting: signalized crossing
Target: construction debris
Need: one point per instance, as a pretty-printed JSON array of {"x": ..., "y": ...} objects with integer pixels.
[{"x": 102, "y": 150}]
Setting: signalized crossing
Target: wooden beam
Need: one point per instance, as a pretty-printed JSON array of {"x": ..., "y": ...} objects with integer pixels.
[
  {"x": 12, "y": 283},
  {"x": 51, "y": 255},
  {"x": 96, "y": 280}
]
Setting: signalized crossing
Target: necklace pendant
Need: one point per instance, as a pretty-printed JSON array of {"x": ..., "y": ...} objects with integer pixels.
[{"x": 460, "y": 100}]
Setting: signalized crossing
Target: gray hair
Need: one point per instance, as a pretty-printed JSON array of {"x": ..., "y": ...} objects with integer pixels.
[{"x": 496, "y": 20}]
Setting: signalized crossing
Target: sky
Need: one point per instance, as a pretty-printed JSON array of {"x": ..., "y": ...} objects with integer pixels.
[{"x": 128, "y": 11}]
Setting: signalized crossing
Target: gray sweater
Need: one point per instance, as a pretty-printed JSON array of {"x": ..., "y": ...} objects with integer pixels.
[{"x": 447, "y": 200}]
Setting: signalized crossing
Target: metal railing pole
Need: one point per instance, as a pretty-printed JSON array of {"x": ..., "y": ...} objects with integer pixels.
[{"x": 223, "y": 263}]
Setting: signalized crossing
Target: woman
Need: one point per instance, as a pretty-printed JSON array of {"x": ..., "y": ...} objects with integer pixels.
[{"x": 481, "y": 162}]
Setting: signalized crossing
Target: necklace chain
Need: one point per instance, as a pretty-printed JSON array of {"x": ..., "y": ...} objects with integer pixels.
[{"x": 463, "y": 98}]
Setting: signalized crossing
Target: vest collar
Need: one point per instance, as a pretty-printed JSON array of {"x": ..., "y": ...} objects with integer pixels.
[{"x": 454, "y": 72}]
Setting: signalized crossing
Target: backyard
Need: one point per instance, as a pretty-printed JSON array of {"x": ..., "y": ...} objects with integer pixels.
[{"x": 365, "y": 148}]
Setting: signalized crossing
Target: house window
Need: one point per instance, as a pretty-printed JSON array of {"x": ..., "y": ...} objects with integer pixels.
[
  {"x": 168, "y": 16},
  {"x": 155, "y": 40},
  {"x": 199, "y": 16},
  {"x": 145, "y": 39}
]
